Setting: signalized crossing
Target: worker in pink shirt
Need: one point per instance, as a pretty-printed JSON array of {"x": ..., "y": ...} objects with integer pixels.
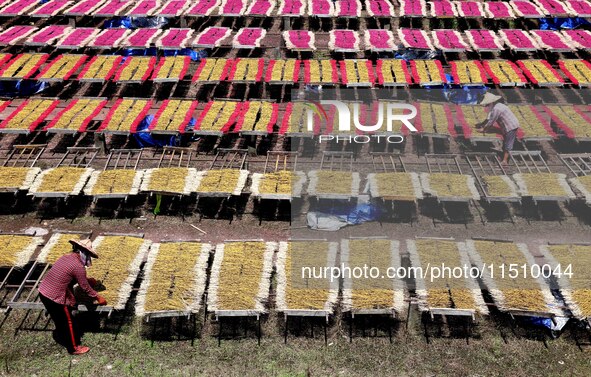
[{"x": 57, "y": 293}]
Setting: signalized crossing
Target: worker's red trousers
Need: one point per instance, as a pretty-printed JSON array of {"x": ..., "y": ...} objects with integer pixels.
[{"x": 65, "y": 332}]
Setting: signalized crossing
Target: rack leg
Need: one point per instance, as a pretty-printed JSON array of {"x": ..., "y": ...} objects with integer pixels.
[
  {"x": 363, "y": 326},
  {"x": 325, "y": 333},
  {"x": 119, "y": 326},
  {"x": 351, "y": 329},
  {"x": 220, "y": 332},
  {"x": 259, "y": 331},
  {"x": 285, "y": 330},
  {"x": 22, "y": 322},
  {"x": 467, "y": 332},
  {"x": 6, "y": 313},
  {"x": 180, "y": 327},
  {"x": 153, "y": 331},
  {"x": 389, "y": 331},
  {"x": 194, "y": 332}
]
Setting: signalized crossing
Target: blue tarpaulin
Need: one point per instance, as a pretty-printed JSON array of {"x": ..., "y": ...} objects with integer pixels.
[
  {"x": 195, "y": 55},
  {"x": 21, "y": 88},
  {"x": 330, "y": 217},
  {"x": 149, "y": 22},
  {"x": 562, "y": 23},
  {"x": 557, "y": 325},
  {"x": 416, "y": 54},
  {"x": 153, "y": 51},
  {"x": 135, "y": 22},
  {"x": 466, "y": 95},
  {"x": 145, "y": 139},
  {"x": 461, "y": 95}
]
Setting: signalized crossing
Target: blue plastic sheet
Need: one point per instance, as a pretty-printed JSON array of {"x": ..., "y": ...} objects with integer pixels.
[
  {"x": 195, "y": 55},
  {"x": 414, "y": 54},
  {"x": 135, "y": 22},
  {"x": 466, "y": 95},
  {"x": 118, "y": 22},
  {"x": 332, "y": 218},
  {"x": 144, "y": 138},
  {"x": 21, "y": 88},
  {"x": 562, "y": 23},
  {"x": 352, "y": 214},
  {"x": 152, "y": 51}
]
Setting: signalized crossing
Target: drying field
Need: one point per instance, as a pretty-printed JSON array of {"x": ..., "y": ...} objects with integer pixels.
[{"x": 188, "y": 140}]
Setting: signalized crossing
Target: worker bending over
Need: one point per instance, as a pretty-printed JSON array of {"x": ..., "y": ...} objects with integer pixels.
[
  {"x": 507, "y": 121},
  {"x": 57, "y": 293}
]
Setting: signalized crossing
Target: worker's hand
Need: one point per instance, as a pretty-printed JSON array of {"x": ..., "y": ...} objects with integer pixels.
[
  {"x": 92, "y": 282},
  {"x": 479, "y": 126},
  {"x": 101, "y": 300}
]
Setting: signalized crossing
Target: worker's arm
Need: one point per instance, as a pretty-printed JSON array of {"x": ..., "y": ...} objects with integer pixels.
[
  {"x": 82, "y": 280},
  {"x": 490, "y": 120}
]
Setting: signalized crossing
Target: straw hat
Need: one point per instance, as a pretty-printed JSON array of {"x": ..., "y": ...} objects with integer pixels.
[
  {"x": 86, "y": 245},
  {"x": 489, "y": 98}
]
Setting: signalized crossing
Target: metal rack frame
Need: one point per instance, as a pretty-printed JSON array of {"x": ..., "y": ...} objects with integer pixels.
[
  {"x": 337, "y": 161},
  {"x": 120, "y": 159},
  {"x": 309, "y": 313},
  {"x": 514, "y": 312},
  {"x": 534, "y": 162},
  {"x": 24, "y": 155},
  {"x": 579, "y": 164},
  {"x": 30, "y": 285},
  {"x": 488, "y": 164},
  {"x": 430, "y": 313},
  {"x": 177, "y": 313},
  {"x": 227, "y": 158},
  {"x": 364, "y": 313},
  {"x": 529, "y": 162},
  {"x": 8, "y": 285},
  {"x": 443, "y": 163},
  {"x": 242, "y": 314},
  {"x": 287, "y": 155},
  {"x": 177, "y": 157},
  {"x": 75, "y": 157},
  {"x": 385, "y": 162},
  {"x": 78, "y": 157},
  {"x": 329, "y": 158}
]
